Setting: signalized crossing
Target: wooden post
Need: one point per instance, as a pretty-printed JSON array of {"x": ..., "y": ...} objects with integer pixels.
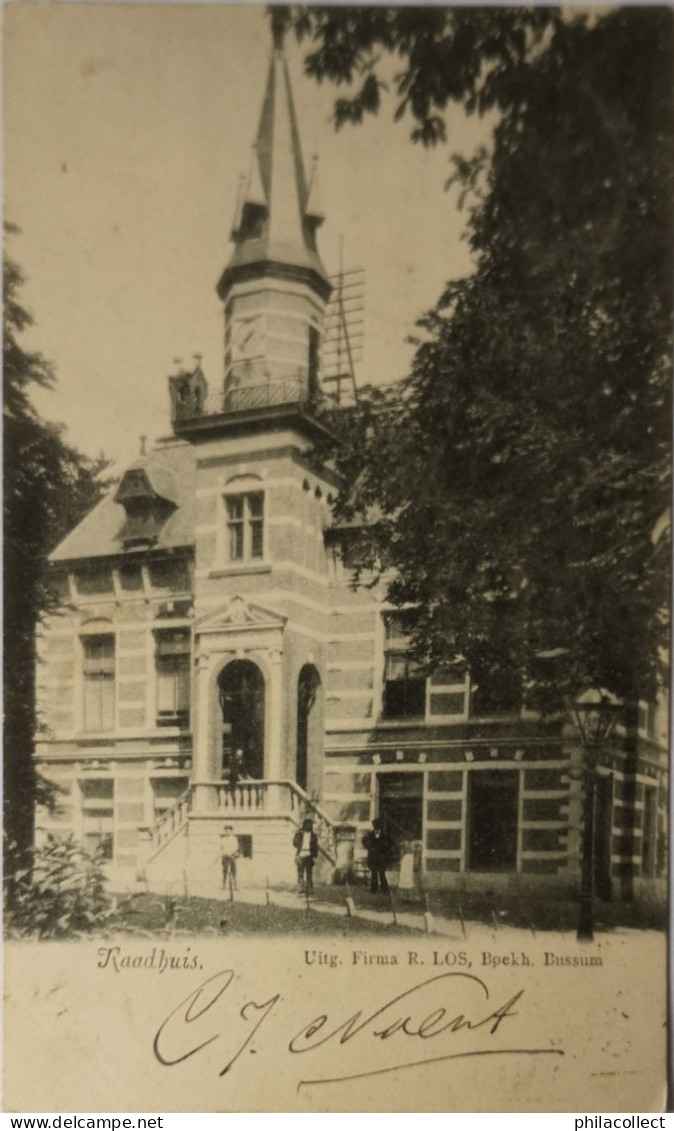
[
  {"x": 350, "y": 905},
  {"x": 428, "y": 918},
  {"x": 463, "y": 925}
]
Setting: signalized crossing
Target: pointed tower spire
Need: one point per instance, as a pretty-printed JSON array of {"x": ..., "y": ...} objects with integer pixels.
[
  {"x": 313, "y": 210},
  {"x": 275, "y": 287},
  {"x": 255, "y": 193},
  {"x": 238, "y": 211},
  {"x": 278, "y": 218}
]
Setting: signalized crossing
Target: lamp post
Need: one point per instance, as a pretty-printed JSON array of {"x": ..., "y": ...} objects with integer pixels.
[{"x": 595, "y": 715}]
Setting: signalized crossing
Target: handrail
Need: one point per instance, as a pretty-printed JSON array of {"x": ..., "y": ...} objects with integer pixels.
[
  {"x": 327, "y": 828},
  {"x": 197, "y": 403},
  {"x": 174, "y": 817},
  {"x": 248, "y": 795},
  {"x": 288, "y": 782},
  {"x": 308, "y": 800},
  {"x": 291, "y": 785},
  {"x": 326, "y": 832},
  {"x": 242, "y": 781}
]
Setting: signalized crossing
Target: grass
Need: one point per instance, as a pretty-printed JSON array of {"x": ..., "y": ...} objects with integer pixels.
[
  {"x": 552, "y": 914},
  {"x": 515, "y": 910},
  {"x": 193, "y": 915}
]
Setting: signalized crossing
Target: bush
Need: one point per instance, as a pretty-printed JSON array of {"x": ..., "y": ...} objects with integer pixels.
[{"x": 61, "y": 894}]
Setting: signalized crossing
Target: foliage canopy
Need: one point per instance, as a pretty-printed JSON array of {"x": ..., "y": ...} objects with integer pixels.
[
  {"x": 60, "y": 895},
  {"x": 520, "y": 473},
  {"x": 48, "y": 487}
]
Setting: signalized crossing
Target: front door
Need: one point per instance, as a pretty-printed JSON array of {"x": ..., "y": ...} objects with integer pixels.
[
  {"x": 401, "y": 804},
  {"x": 492, "y": 820},
  {"x": 241, "y": 693}
]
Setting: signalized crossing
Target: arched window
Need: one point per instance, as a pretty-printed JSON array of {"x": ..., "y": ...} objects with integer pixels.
[
  {"x": 308, "y": 687},
  {"x": 241, "y": 694}
]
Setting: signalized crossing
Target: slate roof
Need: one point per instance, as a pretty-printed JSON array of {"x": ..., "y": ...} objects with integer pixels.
[
  {"x": 160, "y": 477},
  {"x": 99, "y": 534}
]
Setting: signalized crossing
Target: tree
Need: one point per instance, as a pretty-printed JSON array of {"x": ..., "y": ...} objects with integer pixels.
[
  {"x": 48, "y": 487},
  {"x": 520, "y": 470}
]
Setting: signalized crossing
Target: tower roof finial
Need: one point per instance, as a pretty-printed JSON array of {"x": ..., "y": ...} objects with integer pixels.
[{"x": 280, "y": 21}]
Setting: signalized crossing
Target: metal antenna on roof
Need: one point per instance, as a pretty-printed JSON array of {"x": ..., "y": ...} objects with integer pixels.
[{"x": 343, "y": 333}]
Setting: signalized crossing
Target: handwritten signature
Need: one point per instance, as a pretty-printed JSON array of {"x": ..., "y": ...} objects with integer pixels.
[{"x": 448, "y": 1005}]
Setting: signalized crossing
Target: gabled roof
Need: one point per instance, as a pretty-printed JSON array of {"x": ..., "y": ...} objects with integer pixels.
[
  {"x": 171, "y": 471},
  {"x": 238, "y": 613}
]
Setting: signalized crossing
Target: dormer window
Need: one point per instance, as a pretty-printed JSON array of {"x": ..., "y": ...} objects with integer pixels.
[
  {"x": 147, "y": 494},
  {"x": 135, "y": 483},
  {"x": 142, "y": 524}
]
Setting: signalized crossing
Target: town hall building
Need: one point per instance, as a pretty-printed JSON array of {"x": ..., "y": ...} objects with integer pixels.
[{"x": 208, "y": 607}]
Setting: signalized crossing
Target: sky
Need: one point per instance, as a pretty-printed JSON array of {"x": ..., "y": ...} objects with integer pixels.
[{"x": 126, "y": 130}]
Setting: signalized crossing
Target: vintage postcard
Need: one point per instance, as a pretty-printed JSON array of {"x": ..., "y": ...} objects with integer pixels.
[{"x": 336, "y": 749}]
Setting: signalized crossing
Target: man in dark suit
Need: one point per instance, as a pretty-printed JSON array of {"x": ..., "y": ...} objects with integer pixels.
[
  {"x": 237, "y": 768},
  {"x": 379, "y": 846}
]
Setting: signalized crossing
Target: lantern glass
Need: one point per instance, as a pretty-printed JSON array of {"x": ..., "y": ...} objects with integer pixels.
[{"x": 596, "y": 720}]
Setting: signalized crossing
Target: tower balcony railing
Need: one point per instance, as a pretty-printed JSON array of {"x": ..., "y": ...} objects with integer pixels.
[{"x": 197, "y": 404}]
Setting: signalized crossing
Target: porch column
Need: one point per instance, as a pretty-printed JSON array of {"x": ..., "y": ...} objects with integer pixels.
[
  {"x": 276, "y": 798},
  {"x": 202, "y": 797}
]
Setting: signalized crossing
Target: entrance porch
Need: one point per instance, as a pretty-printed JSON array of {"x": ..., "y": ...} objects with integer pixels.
[{"x": 183, "y": 848}]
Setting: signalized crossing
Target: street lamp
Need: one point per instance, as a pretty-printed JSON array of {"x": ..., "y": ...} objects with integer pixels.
[{"x": 595, "y": 713}]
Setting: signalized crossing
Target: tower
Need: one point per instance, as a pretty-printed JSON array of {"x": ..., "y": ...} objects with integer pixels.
[
  {"x": 274, "y": 287},
  {"x": 261, "y": 504}
]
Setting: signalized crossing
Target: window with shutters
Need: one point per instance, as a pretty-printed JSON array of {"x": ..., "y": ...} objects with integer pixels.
[
  {"x": 99, "y": 682},
  {"x": 245, "y": 526},
  {"x": 173, "y": 651},
  {"x": 448, "y": 692},
  {"x": 98, "y": 817},
  {"x": 404, "y": 683}
]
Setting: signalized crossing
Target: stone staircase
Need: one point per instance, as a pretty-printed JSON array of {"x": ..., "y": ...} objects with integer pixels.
[{"x": 183, "y": 853}]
